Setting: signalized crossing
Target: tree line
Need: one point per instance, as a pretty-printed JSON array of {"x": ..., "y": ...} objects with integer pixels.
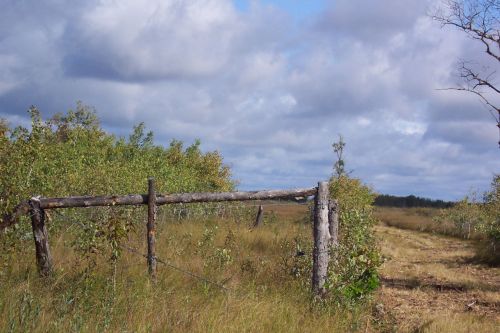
[{"x": 387, "y": 200}]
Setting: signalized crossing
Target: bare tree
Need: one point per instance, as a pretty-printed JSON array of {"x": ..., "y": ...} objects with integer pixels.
[{"x": 480, "y": 20}]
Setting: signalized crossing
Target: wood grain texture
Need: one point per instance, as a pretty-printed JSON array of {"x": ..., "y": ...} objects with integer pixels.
[
  {"x": 151, "y": 228},
  {"x": 139, "y": 199},
  {"x": 321, "y": 233},
  {"x": 41, "y": 237}
]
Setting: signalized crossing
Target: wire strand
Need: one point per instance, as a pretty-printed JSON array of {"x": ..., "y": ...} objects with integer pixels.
[{"x": 191, "y": 274}]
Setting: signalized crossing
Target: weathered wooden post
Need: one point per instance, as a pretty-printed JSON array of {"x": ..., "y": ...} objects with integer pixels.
[
  {"x": 321, "y": 233},
  {"x": 260, "y": 217},
  {"x": 333, "y": 222},
  {"x": 41, "y": 236},
  {"x": 151, "y": 228}
]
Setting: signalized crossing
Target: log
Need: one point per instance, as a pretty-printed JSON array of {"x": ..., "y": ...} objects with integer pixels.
[
  {"x": 234, "y": 196},
  {"x": 333, "y": 222},
  {"x": 321, "y": 256},
  {"x": 91, "y": 201},
  {"x": 41, "y": 237},
  {"x": 139, "y": 199},
  {"x": 260, "y": 217},
  {"x": 151, "y": 228}
]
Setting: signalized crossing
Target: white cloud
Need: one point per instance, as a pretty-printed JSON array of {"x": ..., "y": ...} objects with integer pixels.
[{"x": 269, "y": 92}]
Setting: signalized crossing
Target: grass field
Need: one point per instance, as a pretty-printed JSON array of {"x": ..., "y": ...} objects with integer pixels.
[
  {"x": 265, "y": 290},
  {"x": 418, "y": 219},
  {"x": 432, "y": 284},
  {"x": 429, "y": 283}
]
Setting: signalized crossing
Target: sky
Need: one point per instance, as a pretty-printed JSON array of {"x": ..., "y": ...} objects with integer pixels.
[{"x": 270, "y": 84}]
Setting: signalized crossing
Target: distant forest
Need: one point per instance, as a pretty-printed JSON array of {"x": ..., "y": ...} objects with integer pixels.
[{"x": 387, "y": 200}]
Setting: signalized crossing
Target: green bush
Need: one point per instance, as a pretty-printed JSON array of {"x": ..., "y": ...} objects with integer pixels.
[
  {"x": 353, "y": 269},
  {"x": 70, "y": 154},
  {"x": 480, "y": 218}
]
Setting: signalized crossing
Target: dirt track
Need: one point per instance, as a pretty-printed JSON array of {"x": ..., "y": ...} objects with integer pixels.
[{"x": 433, "y": 280}]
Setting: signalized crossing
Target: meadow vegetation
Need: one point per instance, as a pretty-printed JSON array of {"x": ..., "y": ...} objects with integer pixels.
[
  {"x": 432, "y": 283},
  {"x": 217, "y": 273},
  {"x": 267, "y": 284},
  {"x": 476, "y": 218},
  {"x": 479, "y": 219},
  {"x": 100, "y": 281}
]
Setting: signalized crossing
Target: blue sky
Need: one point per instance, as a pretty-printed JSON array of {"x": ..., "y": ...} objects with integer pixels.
[
  {"x": 269, "y": 84},
  {"x": 298, "y": 9}
]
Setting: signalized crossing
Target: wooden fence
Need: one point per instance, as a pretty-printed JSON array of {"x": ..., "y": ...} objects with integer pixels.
[{"x": 325, "y": 227}]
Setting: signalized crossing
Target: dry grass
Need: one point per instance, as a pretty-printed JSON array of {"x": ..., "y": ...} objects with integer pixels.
[
  {"x": 431, "y": 284},
  {"x": 418, "y": 219},
  {"x": 263, "y": 296}
]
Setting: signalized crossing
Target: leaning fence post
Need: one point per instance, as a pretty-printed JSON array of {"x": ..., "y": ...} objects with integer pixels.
[
  {"x": 41, "y": 236},
  {"x": 321, "y": 240},
  {"x": 333, "y": 222},
  {"x": 151, "y": 228},
  {"x": 260, "y": 216}
]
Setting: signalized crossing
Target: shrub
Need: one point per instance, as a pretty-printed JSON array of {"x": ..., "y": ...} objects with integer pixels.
[
  {"x": 353, "y": 269},
  {"x": 70, "y": 154},
  {"x": 481, "y": 218}
]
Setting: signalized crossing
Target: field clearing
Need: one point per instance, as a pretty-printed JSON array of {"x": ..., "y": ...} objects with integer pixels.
[
  {"x": 258, "y": 266},
  {"x": 429, "y": 283},
  {"x": 432, "y": 284},
  {"x": 418, "y": 219}
]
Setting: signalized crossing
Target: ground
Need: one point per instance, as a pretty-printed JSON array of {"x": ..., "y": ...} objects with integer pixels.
[{"x": 431, "y": 283}]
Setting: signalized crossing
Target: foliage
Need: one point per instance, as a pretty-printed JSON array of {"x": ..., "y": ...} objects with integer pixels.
[
  {"x": 339, "y": 166},
  {"x": 482, "y": 218},
  {"x": 353, "y": 269},
  {"x": 386, "y": 200},
  {"x": 70, "y": 154}
]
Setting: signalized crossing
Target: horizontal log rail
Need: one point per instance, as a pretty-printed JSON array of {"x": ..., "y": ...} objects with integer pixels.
[
  {"x": 324, "y": 233},
  {"x": 163, "y": 199},
  {"x": 142, "y": 199}
]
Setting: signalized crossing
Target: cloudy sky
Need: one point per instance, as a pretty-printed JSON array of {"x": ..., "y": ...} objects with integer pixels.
[{"x": 268, "y": 83}]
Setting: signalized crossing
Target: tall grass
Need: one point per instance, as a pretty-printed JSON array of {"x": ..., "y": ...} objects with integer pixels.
[
  {"x": 418, "y": 219},
  {"x": 259, "y": 267}
]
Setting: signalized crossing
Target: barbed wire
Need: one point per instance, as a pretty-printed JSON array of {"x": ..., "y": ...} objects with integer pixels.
[
  {"x": 184, "y": 271},
  {"x": 161, "y": 261}
]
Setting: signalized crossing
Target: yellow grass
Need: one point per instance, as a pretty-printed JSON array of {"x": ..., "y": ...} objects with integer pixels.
[
  {"x": 264, "y": 296},
  {"x": 419, "y": 219},
  {"x": 432, "y": 284}
]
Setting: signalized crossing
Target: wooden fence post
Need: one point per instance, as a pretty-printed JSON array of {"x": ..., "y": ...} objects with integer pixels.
[
  {"x": 333, "y": 222},
  {"x": 321, "y": 232},
  {"x": 151, "y": 228},
  {"x": 41, "y": 236},
  {"x": 260, "y": 217}
]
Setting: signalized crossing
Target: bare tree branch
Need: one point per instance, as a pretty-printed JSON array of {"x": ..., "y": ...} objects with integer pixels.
[{"x": 479, "y": 19}]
